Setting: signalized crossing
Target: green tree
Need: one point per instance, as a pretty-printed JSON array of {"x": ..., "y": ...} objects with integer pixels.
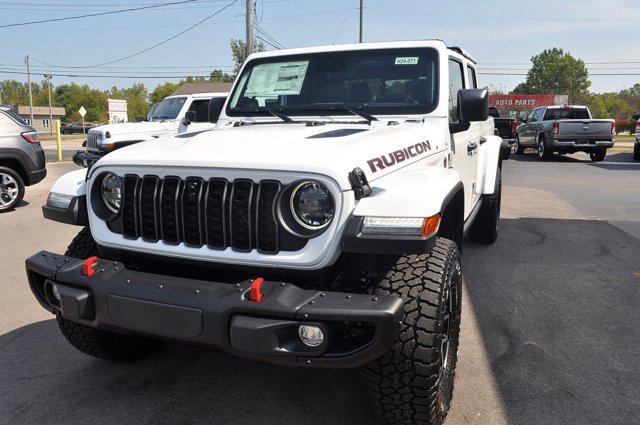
[
  {"x": 238, "y": 51},
  {"x": 219, "y": 76},
  {"x": 554, "y": 71},
  {"x": 14, "y": 93},
  {"x": 163, "y": 90}
]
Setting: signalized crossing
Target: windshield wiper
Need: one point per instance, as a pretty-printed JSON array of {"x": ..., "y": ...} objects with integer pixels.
[
  {"x": 353, "y": 111},
  {"x": 275, "y": 112}
]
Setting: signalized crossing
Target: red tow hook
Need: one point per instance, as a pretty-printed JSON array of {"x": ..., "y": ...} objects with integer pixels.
[
  {"x": 254, "y": 293},
  {"x": 87, "y": 266}
]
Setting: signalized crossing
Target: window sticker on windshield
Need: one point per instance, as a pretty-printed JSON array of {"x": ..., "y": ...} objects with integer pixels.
[
  {"x": 413, "y": 60},
  {"x": 273, "y": 79}
]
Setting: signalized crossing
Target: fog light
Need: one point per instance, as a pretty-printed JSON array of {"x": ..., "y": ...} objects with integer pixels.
[
  {"x": 56, "y": 291},
  {"x": 310, "y": 335}
]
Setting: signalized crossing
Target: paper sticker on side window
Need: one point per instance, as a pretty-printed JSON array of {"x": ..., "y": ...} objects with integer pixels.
[{"x": 407, "y": 61}]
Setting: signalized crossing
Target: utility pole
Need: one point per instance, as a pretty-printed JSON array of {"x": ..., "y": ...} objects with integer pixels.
[
  {"x": 30, "y": 93},
  {"x": 361, "y": 20},
  {"x": 249, "y": 24},
  {"x": 48, "y": 77}
]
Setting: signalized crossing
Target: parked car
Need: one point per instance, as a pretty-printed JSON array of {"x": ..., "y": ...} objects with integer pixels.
[
  {"x": 75, "y": 127},
  {"x": 174, "y": 114},
  {"x": 636, "y": 145},
  {"x": 318, "y": 225},
  {"x": 565, "y": 129},
  {"x": 21, "y": 158},
  {"x": 506, "y": 128}
]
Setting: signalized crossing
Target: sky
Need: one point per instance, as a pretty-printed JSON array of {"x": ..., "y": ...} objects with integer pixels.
[{"x": 501, "y": 35}]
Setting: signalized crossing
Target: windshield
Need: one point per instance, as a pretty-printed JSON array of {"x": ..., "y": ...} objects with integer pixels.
[
  {"x": 169, "y": 108},
  {"x": 381, "y": 81},
  {"x": 151, "y": 111}
]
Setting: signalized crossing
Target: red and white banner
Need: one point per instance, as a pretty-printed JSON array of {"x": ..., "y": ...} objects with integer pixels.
[{"x": 525, "y": 101}]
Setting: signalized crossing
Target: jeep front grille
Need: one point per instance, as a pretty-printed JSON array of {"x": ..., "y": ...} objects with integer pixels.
[
  {"x": 216, "y": 213},
  {"x": 93, "y": 141}
]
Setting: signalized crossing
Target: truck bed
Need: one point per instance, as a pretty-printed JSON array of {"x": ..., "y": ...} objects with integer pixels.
[{"x": 587, "y": 130}]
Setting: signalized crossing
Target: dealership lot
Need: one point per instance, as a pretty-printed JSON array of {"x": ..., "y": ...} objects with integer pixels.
[{"x": 549, "y": 324}]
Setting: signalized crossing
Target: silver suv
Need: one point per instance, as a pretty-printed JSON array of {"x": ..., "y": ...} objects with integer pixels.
[{"x": 21, "y": 158}]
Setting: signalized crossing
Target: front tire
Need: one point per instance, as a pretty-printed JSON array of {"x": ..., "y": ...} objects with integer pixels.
[
  {"x": 11, "y": 189},
  {"x": 413, "y": 382},
  {"x": 485, "y": 227},
  {"x": 598, "y": 155},
  {"x": 95, "y": 342}
]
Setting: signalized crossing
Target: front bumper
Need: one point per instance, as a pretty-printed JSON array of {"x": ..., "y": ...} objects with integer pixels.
[
  {"x": 86, "y": 159},
  {"x": 358, "y": 328}
]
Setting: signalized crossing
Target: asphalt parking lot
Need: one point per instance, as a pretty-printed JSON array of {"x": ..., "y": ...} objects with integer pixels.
[{"x": 550, "y": 325}]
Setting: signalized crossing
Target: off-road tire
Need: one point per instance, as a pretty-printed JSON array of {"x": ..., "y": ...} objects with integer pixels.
[
  {"x": 20, "y": 186},
  {"x": 94, "y": 342},
  {"x": 598, "y": 155},
  {"x": 505, "y": 152},
  {"x": 519, "y": 147},
  {"x": 544, "y": 153},
  {"x": 408, "y": 384},
  {"x": 486, "y": 225}
]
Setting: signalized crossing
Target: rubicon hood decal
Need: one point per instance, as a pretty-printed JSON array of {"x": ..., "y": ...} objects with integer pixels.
[{"x": 396, "y": 157}]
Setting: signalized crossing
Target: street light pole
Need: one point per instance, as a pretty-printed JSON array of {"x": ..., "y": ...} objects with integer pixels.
[
  {"x": 30, "y": 93},
  {"x": 48, "y": 77}
]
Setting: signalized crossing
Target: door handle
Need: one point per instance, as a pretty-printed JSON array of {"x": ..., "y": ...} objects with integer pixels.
[{"x": 472, "y": 146}]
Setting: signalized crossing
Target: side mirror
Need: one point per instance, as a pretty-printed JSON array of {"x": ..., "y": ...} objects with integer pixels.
[
  {"x": 523, "y": 120},
  {"x": 215, "y": 108},
  {"x": 473, "y": 104},
  {"x": 189, "y": 117}
]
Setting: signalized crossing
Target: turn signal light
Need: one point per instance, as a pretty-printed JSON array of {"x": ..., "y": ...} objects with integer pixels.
[
  {"x": 430, "y": 225},
  {"x": 613, "y": 128},
  {"x": 556, "y": 128}
]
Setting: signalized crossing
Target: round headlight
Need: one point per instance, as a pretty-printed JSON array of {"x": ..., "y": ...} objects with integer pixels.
[
  {"x": 111, "y": 192},
  {"x": 312, "y": 205}
]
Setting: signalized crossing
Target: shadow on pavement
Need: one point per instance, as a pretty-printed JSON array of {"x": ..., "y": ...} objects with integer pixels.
[
  {"x": 557, "y": 307},
  {"x": 618, "y": 157},
  {"x": 556, "y": 302}
]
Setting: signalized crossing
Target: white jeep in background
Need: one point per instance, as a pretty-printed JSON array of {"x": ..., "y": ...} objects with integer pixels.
[
  {"x": 320, "y": 224},
  {"x": 173, "y": 115}
]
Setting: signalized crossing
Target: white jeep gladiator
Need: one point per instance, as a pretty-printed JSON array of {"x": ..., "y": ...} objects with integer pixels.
[
  {"x": 173, "y": 115},
  {"x": 320, "y": 224}
]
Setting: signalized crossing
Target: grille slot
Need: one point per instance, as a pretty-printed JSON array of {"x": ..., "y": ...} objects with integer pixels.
[
  {"x": 240, "y": 216},
  {"x": 149, "y": 220},
  {"x": 169, "y": 209},
  {"x": 267, "y": 227},
  {"x": 192, "y": 217},
  {"x": 93, "y": 140},
  {"x": 129, "y": 207},
  {"x": 216, "y": 212}
]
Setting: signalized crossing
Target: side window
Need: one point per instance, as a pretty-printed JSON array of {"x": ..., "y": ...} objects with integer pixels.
[
  {"x": 201, "y": 108},
  {"x": 471, "y": 78},
  {"x": 538, "y": 116},
  {"x": 456, "y": 82},
  {"x": 532, "y": 116}
]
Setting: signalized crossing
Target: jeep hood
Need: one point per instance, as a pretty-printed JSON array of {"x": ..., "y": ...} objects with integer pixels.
[
  {"x": 333, "y": 150},
  {"x": 133, "y": 128}
]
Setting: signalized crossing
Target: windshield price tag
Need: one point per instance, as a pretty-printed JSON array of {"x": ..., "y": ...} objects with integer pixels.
[
  {"x": 283, "y": 78},
  {"x": 407, "y": 61}
]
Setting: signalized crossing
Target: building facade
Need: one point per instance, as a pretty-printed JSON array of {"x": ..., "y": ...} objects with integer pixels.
[{"x": 41, "y": 117}]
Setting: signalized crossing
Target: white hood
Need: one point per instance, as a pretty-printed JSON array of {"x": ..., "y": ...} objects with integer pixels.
[
  {"x": 135, "y": 128},
  {"x": 333, "y": 150}
]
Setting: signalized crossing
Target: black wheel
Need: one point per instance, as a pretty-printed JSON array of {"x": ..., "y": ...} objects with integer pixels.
[
  {"x": 413, "y": 382},
  {"x": 66, "y": 131},
  {"x": 598, "y": 154},
  {"x": 636, "y": 151},
  {"x": 94, "y": 342},
  {"x": 519, "y": 147},
  {"x": 485, "y": 227},
  {"x": 11, "y": 189},
  {"x": 506, "y": 152},
  {"x": 544, "y": 153}
]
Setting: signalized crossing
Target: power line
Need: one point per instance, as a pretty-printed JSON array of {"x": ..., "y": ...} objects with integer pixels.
[
  {"x": 110, "y": 12},
  {"x": 270, "y": 40},
  {"x": 343, "y": 21},
  {"x": 153, "y": 46},
  {"x": 2, "y": 71}
]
